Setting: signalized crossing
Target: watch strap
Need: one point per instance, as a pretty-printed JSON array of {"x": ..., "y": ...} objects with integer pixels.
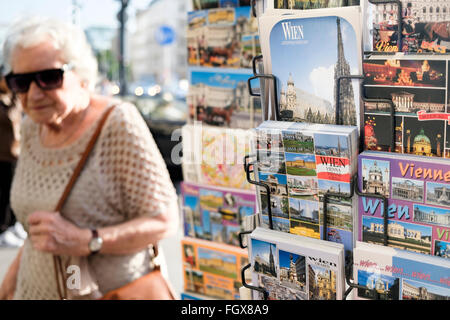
[{"x": 94, "y": 236}]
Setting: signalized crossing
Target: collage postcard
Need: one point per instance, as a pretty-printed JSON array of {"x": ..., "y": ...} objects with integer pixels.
[
  {"x": 393, "y": 274},
  {"x": 419, "y": 90},
  {"x": 300, "y": 162},
  {"x": 418, "y": 192},
  {"x": 292, "y": 267},
  {"x": 212, "y": 269},
  {"x": 214, "y": 213}
]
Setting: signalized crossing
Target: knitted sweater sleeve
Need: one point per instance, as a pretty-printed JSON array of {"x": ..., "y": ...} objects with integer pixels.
[{"x": 133, "y": 173}]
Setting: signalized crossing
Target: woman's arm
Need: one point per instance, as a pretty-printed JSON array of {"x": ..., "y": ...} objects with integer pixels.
[
  {"x": 50, "y": 232},
  {"x": 138, "y": 233},
  {"x": 8, "y": 286}
]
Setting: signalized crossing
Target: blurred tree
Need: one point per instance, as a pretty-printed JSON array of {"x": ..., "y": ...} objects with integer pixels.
[{"x": 108, "y": 65}]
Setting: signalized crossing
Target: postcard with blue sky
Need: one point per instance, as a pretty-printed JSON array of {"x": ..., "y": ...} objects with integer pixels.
[
  {"x": 371, "y": 280},
  {"x": 408, "y": 227},
  {"x": 331, "y": 145},
  {"x": 222, "y": 79},
  {"x": 269, "y": 177},
  {"x": 191, "y": 201},
  {"x": 422, "y": 214},
  {"x": 279, "y": 224},
  {"x": 340, "y": 236},
  {"x": 334, "y": 186},
  {"x": 264, "y": 253},
  {"x": 434, "y": 292},
  {"x": 307, "y": 54},
  {"x": 211, "y": 198},
  {"x": 369, "y": 165}
]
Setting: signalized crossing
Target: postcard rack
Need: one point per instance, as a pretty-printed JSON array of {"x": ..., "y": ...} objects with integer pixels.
[
  {"x": 354, "y": 189},
  {"x": 338, "y": 119},
  {"x": 252, "y": 5},
  {"x": 247, "y": 166}
]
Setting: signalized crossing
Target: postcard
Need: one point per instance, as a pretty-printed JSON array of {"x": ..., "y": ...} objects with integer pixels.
[
  {"x": 221, "y": 98},
  {"x": 424, "y": 26},
  {"x": 307, "y": 63},
  {"x": 212, "y": 270},
  {"x": 418, "y": 206},
  {"x": 290, "y": 267},
  {"x": 394, "y": 274},
  {"x": 214, "y": 213},
  {"x": 307, "y": 161},
  {"x": 219, "y": 37},
  {"x": 307, "y": 4},
  {"x": 418, "y": 89}
]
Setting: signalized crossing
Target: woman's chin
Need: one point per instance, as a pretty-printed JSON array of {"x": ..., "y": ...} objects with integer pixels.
[{"x": 44, "y": 118}]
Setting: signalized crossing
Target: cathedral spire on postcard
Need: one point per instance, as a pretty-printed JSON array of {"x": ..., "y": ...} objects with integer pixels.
[{"x": 346, "y": 96}]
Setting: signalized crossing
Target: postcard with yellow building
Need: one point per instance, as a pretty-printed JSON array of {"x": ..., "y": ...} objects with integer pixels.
[
  {"x": 212, "y": 269},
  {"x": 222, "y": 37}
]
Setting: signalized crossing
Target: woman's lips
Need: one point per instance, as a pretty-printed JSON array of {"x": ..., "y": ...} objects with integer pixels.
[{"x": 37, "y": 108}]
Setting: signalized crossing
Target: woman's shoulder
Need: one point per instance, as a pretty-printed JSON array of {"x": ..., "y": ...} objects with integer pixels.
[
  {"x": 125, "y": 110},
  {"x": 125, "y": 119}
]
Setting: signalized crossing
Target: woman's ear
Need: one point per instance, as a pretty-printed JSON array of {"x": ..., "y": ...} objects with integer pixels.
[{"x": 84, "y": 84}]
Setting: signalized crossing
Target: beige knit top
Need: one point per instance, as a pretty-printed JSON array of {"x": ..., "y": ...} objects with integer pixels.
[{"x": 125, "y": 177}]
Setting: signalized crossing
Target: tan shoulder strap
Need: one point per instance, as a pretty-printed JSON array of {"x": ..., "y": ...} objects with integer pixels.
[
  {"x": 83, "y": 159},
  {"x": 57, "y": 263}
]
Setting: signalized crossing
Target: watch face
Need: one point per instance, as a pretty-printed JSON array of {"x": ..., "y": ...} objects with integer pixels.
[{"x": 95, "y": 244}]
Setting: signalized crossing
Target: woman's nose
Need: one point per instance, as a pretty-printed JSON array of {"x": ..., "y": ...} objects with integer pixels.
[{"x": 34, "y": 92}]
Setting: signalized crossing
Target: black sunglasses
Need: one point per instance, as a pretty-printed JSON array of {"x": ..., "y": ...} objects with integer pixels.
[{"x": 45, "y": 79}]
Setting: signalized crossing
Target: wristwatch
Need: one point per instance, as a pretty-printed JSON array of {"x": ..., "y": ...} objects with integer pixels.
[{"x": 96, "y": 242}]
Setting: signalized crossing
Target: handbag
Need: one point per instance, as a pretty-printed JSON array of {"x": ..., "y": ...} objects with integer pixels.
[{"x": 152, "y": 286}]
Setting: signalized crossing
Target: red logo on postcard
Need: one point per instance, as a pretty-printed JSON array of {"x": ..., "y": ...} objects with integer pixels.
[{"x": 331, "y": 168}]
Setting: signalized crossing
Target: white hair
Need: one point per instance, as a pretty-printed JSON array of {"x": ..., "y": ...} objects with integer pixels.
[{"x": 68, "y": 38}]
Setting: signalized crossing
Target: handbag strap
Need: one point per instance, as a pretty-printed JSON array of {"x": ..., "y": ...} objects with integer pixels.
[
  {"x": 58, "y": 266},
  {"x": 83, "y": 159}
]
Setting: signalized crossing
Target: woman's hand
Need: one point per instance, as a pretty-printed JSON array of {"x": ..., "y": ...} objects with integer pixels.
[{"x": 49, "y": 232}]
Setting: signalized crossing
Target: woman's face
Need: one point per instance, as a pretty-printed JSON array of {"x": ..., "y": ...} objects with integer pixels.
[{"x": 47, "y": 106}]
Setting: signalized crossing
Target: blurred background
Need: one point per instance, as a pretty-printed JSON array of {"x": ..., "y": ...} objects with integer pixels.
[{"x": 141, "y": 50}]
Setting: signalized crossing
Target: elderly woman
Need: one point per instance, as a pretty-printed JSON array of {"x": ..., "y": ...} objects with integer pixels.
[{"x": 122, "y": 202}]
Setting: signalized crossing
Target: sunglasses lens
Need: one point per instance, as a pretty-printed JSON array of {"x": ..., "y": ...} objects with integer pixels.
[
  {"x": 18, "y": 83},
  {"x": 50, "y": 79}
]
